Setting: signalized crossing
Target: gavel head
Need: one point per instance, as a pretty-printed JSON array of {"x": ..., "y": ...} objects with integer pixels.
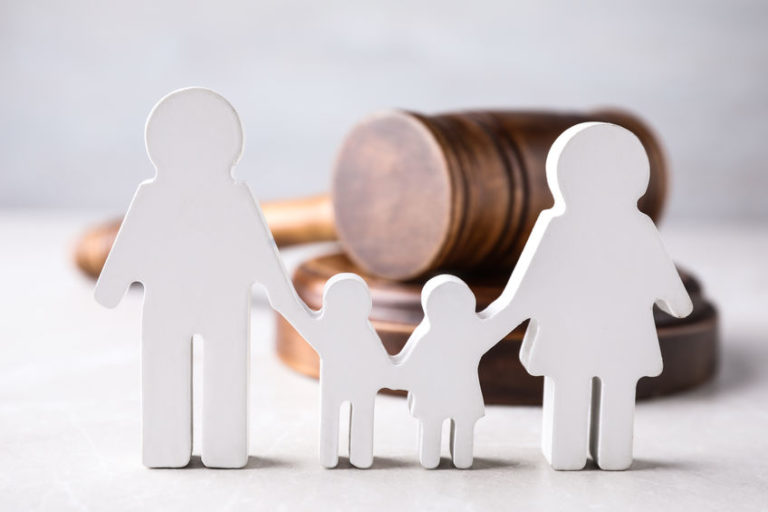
[{"x": 414, "y": 194}]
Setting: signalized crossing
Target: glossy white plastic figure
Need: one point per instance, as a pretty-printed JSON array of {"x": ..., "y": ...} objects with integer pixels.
[
  {"x": 593, "y": 251},
  {"x": 196, "y": 239},
  {"x": 354, "y": 365},
  {"x": 438, "y": 366}
]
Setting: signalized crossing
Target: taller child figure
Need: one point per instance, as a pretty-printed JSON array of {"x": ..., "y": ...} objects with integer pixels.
[{"x": 197, "y": 241}]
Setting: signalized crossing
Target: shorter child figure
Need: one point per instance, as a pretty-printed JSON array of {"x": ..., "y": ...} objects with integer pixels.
[
  {"x": 353, "y": 365},
  {"x": 438, "y": 366}
]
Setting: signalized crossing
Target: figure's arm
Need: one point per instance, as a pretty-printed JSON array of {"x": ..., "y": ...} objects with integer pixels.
[
  {"x": 306, "y": 322},
  {"x": 496, "y": 326},
  {"x": 522, "y": 297},
  {"x": 280, "y": 290},
  {"x": 517, "y": 303},
  {"x": 282, "y": 296},
  {"x": 121, "y": 268},
  {"x": 670, "y": 292},
  {"x": 673, "y": 298},
  {"x": 404, "y": 367},
  {"x": 270, "y": 271},
  {"x": 503, "y": 315}
]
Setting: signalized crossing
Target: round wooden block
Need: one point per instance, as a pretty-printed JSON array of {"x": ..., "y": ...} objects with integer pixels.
[{"x": 689, "y": 346}]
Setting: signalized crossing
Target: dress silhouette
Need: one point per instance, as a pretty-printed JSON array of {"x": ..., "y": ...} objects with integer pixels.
[
  {"x": 438, "y": 366},
  {"x": 594, "y": 251}
]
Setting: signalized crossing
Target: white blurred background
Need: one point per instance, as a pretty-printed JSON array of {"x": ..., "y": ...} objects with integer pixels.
[{"x": 77, "y": 79}]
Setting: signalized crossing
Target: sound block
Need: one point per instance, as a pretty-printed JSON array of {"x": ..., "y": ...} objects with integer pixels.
[{"x": 689, "y": 346}]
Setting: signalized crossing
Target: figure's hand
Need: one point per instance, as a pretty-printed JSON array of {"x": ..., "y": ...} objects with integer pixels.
[
  {"x": 674, "y": 299},
  {"x": 678, "y": 306},
  {"x": 108, "y": 294},
  {"x": 397, "y": 378},
  {"x": 501, "y": 319},
  {"x": 291, "y": 307}
]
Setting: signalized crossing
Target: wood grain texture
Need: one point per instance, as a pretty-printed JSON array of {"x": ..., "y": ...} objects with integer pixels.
[{"x": 415, "y": 193}]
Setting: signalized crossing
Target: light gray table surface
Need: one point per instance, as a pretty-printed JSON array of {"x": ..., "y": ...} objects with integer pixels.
[{"x": 69, "y": 409}]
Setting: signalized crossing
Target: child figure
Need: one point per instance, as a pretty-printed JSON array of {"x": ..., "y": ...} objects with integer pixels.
[
  {"x": 593, "y": 250},
  {"x": 438, "y": 366},
  {"x": 354, "y": 365},
  {"x": 196, "y": 239}
]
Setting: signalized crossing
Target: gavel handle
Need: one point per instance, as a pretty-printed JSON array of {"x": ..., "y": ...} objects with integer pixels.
[
  {"x": 300, "y": 221},
  {"x": 292, "y": 222}
]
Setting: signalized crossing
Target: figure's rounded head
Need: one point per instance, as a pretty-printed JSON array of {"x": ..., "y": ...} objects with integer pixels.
[
  {"x": 597, "y": 163},
  {"x": 447, "y": 296},
  {"x": 194, "y": 129},
  {"x": 347, "y": 294}
]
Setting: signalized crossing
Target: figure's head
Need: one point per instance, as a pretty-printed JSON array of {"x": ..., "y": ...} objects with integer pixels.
[
  {"x": 597, "y": 164},
  {"x": 447, "y": 296},
  {"x": 193, "y": 130},
  {"x": 347, "y": 294}
]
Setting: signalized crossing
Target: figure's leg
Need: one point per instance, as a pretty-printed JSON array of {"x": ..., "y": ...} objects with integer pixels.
[
  {"x": 166, "y": 395},
  {"x": 462, "y": 443},
  {"x": 594, "y": 417},
  {"x": 329, "y": 430},
  {"x": 225, "y": 395},
  {"x": 612, "y": 437},
  {"x": 566, "y": 422},
  {"x": 430, "y": 433},
  {"x": 361, "y": 432}
]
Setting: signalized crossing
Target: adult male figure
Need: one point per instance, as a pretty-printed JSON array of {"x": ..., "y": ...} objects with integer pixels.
[{"x": 197, "y": 241}]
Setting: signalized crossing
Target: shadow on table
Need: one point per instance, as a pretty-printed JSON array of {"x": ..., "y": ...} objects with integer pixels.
[
  {"x": 642, "y": 465},
  {"x": 378, "y": 463},
  {"x": 195, "y": 462},
  {"x": 384, "y": 463}
]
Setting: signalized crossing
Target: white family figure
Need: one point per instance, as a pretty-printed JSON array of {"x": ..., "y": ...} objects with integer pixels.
[
  {"x": 439, "y": 367},
  {"x": 593, "y": 251},
  {"x": 196, "y": 239},
  {"x": 354, "y": 365}
]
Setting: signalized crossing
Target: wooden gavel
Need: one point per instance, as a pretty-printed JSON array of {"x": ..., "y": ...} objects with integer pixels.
[{"x": 412, "y": 194}]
